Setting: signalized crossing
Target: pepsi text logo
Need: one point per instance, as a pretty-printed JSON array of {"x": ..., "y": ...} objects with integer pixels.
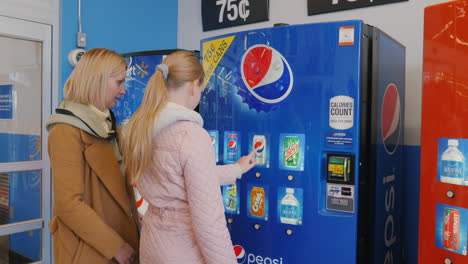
[
  {"x": 390, "y": 238},
  {"x": 242, "y": 257}
]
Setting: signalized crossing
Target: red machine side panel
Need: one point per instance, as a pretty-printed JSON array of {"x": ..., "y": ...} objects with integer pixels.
[{"x": 444, "y": 174}]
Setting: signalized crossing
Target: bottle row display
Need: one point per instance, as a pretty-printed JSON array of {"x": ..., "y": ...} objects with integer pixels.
[
  {"x": 289, "y": 204},
  {"x": 291, "y": 149}
]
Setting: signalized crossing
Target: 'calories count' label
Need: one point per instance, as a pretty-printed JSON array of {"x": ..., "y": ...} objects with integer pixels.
[{"x": 341, "y": 112}]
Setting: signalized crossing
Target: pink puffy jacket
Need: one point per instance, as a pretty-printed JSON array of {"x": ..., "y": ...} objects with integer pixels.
[{"x": 185, "y": 221}]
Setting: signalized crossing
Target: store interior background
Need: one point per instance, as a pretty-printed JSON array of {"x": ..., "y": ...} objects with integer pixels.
[{"x": 131, "y": 26}]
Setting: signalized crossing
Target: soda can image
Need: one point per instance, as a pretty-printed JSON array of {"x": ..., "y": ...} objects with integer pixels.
[
  {"x": 257, "y": 202},
  {"x": 232, "y": 141},
  {"x": 451, "y": 229},
  {"x": 214, "y": 140},
  {"x": 291, "y": 151},
  {"x": 231, "y": 200},
  {"x": 259, "y": 143}
]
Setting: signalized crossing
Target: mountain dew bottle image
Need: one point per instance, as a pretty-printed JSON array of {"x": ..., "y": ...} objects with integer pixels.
[
  {"x": 452, "y": 164},
  {"x": 291, "y": 151},
  {"x": 290, "y": 208}
]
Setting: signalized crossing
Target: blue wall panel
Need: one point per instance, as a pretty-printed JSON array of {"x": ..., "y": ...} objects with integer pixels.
[{"x": 121, "y": 25}]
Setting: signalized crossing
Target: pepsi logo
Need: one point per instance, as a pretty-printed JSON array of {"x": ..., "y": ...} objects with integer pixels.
[
  {"x": 213, "y": 140},
  {"x": 240, "y": 254},
  {"x": 390, "y": 118},
  {"x": 259, "y": 146},
  {"x": 139, "y": 202},
  {"x": 266, "y": 74},
  {"x": 232, "y": 143}
]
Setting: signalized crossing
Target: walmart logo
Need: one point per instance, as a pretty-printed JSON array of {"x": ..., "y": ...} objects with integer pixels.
[{"x": 138, "y": 69}]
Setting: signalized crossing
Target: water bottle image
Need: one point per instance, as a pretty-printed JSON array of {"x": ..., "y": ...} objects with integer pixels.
[
  {"x": 452, "y": 169},
  {"x": 290, "y": 208}
]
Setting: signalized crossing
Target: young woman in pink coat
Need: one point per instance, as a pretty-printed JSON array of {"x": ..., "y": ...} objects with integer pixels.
[{"x": 170, "y": 157}]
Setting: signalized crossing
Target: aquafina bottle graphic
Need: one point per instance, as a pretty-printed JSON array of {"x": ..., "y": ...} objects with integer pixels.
[
  {"x": 290, "y": 208},
  {"x": 452, "y": 169}
]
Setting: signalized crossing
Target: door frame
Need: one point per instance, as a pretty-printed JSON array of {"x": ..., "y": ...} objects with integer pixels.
[{"x": 28, "y": 30}]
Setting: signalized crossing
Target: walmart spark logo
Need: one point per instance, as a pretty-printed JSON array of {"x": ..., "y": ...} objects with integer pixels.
[{"x": 141, "y": 69}]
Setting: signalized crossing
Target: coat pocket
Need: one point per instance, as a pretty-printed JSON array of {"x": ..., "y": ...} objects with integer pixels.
[{"x": 64, "y": 238}]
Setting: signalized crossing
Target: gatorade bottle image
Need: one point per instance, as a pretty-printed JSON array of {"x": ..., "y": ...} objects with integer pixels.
[
  {"x": 289, "y": 208},
  {"x": 452, "y": 164}
]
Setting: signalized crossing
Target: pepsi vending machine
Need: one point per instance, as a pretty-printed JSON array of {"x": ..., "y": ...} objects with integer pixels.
[{"x": 324, "y": 105}]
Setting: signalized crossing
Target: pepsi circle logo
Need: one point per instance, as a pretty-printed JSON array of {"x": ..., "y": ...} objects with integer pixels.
[
  {"x": 232, "y": 143},
  {"x": 240, "y": 254},
  {"x": 259, "y": 146},
  {"x": 213, "y": 140},
  {"x": 267, "y": 76},
  {"x": 390, "y": 118}
]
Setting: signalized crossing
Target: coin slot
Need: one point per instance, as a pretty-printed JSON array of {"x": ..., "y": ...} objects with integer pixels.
[
  {"x": 448, "y": 261},
  {"x": 450, "y": 194}
]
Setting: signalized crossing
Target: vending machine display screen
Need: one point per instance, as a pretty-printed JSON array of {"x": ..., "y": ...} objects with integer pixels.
[{"x": 339, "y": 169}]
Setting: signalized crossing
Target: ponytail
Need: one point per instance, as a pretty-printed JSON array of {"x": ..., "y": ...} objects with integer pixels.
[{"x": 137, "y": 148}]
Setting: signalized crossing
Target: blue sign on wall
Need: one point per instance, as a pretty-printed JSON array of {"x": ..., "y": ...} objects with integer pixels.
[{"x": 6, "y": 101}]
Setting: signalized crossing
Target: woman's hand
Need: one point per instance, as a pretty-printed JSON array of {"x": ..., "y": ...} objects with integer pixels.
[
  {"x": 247, "y": 162},
  {"x": 126, "y": 255}
]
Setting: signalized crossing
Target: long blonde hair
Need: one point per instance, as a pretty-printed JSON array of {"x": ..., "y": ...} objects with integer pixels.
[
  {"x": 88, "y": 81},
  {"x": 184, "y": 66}
]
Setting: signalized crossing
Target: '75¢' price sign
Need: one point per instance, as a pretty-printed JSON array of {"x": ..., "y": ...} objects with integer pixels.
[{"x": 218, "y": 14}]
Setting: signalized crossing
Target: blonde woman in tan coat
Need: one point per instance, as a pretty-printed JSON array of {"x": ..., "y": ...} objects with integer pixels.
[{"x": 94, "y": 215}]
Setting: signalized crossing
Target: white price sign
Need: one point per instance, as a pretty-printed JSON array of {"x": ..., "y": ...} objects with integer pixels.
[
  {"x": 233, "y": 10},
  {"x": 228, "y": 13}
]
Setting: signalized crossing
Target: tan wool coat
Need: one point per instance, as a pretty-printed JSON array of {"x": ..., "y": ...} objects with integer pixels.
[{"x": 94, "y": 211}]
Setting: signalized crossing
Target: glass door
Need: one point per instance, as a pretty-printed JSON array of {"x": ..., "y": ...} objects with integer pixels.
[{"x": 25, "y": 105}]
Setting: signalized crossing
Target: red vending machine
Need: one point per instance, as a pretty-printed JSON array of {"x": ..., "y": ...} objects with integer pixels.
[{"x": 443, "y": 219}]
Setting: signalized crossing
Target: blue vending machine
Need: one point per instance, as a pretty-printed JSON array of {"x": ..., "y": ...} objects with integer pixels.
[{"x": 324, "y": 105}]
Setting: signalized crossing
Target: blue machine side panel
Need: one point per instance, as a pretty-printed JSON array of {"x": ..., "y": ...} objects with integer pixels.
[
  {"x": 389, "y": 76},
  {"x": 292, "y": 86}
]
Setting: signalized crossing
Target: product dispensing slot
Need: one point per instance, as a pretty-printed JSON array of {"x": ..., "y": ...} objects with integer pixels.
[{"x": 340, "y": 182}]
